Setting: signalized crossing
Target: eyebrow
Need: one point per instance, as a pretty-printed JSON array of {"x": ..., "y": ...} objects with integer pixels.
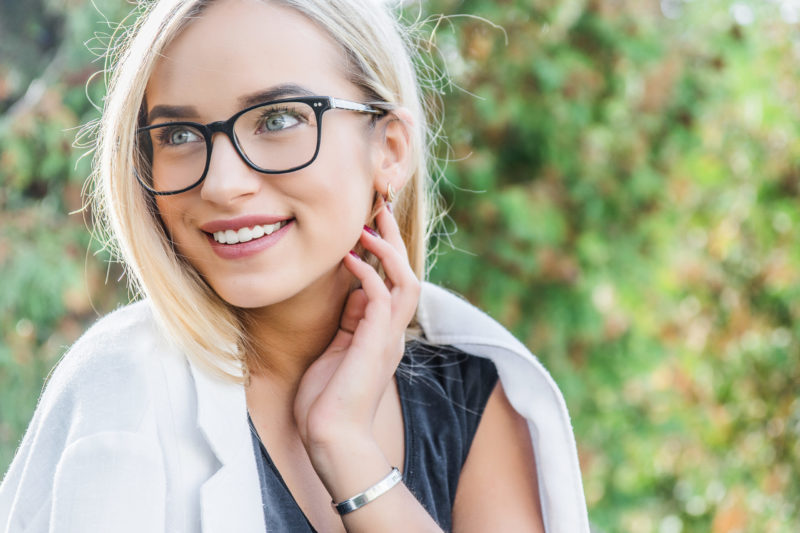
[{"x": 272, "y": 93}]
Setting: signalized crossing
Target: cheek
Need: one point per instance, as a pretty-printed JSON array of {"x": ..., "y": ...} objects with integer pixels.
[
  {"x": 171, "y": 211},
  {"x": 168, "y": 212},
  {"x": 342, "y": 208},
  {"x": 348, "y": 196},
  {"x": 335, "y": 212},
  {"x": 339, "y": 185}
]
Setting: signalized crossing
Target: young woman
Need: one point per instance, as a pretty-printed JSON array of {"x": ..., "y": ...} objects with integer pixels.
[{"x": 263, "y": 168}]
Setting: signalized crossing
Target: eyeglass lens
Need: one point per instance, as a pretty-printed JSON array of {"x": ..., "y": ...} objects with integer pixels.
[{"x": 274, "y": 137}]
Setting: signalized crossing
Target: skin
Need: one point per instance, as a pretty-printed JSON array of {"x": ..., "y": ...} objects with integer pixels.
[{"x": 326, "y": 352}]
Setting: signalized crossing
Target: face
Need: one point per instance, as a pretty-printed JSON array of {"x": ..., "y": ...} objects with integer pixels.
[{"x": 235, "y": 50}]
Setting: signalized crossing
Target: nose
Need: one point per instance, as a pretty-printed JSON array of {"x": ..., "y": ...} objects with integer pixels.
[{"x": 228, "y": 177}]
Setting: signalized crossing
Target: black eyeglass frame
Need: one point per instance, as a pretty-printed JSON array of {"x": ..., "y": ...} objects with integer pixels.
[{"x": 319, "y": 104}]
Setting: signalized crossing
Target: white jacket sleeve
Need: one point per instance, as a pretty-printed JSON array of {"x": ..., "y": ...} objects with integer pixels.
[
  {"x": 109, "y": 481},
  {"x": 91, "y": 459}
]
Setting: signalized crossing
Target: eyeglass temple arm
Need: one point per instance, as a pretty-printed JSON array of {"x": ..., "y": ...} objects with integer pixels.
[{"x": 337, "y": 103}]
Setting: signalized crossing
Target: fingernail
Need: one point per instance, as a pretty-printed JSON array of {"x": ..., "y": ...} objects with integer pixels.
[
  {"x": 355, "y": 255},
  {"x": 389, "y": 207},
  {"x": 371, "y": 231}
]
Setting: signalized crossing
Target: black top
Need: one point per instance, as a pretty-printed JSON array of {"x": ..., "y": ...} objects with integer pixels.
[{"x": 443, "y": 392}]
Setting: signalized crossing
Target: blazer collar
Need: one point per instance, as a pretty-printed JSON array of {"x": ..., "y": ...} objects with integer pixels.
[
  {"x": 231, "y": 498},
  {"x": 449, "y": 319}
]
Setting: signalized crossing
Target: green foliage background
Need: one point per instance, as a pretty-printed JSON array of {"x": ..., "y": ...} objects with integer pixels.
[{"x": 623, "y": 194}]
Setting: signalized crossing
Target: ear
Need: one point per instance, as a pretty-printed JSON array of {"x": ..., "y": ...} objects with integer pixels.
[{"x": 392, "y": 152}]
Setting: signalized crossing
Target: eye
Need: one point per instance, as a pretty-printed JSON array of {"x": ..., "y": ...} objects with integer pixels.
[
  {"x": 279, "y": 120},
  {"x": 176, "y": 136}
]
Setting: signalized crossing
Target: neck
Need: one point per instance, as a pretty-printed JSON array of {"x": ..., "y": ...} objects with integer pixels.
[{"x": 289, "y": 336}]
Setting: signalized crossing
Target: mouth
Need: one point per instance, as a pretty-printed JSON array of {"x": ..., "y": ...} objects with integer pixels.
[{"x": 247, "y": 233}]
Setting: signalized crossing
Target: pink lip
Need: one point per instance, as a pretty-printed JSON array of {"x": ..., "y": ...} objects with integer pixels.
[
  {"x": 245, "y": 249},
  {"x": 247, "y": 221}
]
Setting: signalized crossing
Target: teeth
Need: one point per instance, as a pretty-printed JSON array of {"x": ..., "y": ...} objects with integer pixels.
[{"x": 246, "y": 234}]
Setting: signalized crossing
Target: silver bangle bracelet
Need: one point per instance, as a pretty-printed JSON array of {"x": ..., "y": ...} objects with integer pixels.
[{"x": 378, "y": 489}]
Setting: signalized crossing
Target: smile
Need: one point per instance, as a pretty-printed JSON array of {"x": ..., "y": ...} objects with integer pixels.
[{"x": 247, "y": 234}]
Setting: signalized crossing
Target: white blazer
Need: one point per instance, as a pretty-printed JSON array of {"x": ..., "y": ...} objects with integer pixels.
[{"x": 129, "y": 436}]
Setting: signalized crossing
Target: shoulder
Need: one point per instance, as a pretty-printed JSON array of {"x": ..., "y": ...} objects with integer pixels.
[
  {"x": 118, "y": 332},
  {"x": 527, "y": 390},
  {"x": 108, "y": 375},
  {"x": 119, "y": 344},
  {"x": 95, "y": 428},
  {"x": 448, "y": 319},
  {"x": 502, "y": 447},
  {"x": 498, "y": 486}
]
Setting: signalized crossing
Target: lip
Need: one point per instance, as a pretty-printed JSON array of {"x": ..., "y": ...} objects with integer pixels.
[
  {"x": 240, "y": 222},
  {"x": 246, "y": 249}
]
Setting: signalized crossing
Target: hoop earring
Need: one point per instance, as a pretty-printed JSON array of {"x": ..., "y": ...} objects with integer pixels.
[{"x": 390, "y": 194}]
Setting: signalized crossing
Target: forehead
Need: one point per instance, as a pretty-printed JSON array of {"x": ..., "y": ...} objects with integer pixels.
[{"x": 240, "y": 47}]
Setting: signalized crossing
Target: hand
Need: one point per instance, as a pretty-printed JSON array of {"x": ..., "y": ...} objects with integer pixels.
[{"x": 339, "y": 394}]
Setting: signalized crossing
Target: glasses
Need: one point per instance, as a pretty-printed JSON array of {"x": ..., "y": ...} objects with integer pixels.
[{"x": 272, "y": 137}]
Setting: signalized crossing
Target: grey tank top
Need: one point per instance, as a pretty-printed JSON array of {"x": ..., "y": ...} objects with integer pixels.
[{"x": 443, "y": 392}]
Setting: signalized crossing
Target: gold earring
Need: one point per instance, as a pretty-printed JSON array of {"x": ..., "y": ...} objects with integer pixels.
[{"x": 390, "y": 194}]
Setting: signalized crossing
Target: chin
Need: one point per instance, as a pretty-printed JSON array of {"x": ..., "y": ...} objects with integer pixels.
[
  {"x": 253, "y": 297},
  {"x": 250, "y": 293},
  {"x": 263, "y": 288}
]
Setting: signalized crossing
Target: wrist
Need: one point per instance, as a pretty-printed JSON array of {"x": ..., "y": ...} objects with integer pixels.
[
  {"x": 349, "y": 467},
  {"x": 370, "y": 494}
]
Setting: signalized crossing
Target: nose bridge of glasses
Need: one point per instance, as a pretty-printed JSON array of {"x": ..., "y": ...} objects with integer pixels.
[
  {"x": 223, "y": 179},
  {"x": 226, "y": 127},
  {"x": 220, "y": 126}
]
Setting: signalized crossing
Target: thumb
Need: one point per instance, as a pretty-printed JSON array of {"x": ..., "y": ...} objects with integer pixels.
[{"x": 354, "y": 310}]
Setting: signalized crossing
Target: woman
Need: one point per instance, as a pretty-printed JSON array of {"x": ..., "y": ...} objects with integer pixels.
[{"x": 262, "y": 166}]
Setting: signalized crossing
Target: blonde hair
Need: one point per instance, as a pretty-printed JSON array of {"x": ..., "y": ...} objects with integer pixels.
[{"x": 210, "y": 331}]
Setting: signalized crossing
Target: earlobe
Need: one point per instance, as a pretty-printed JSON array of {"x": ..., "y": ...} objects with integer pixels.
[
  {"x": 390, "y": 194},
  {"x": 393, "y": 153}
]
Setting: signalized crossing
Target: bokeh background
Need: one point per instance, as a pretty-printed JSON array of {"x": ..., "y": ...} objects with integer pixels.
[{"x": 623, "y": 189}]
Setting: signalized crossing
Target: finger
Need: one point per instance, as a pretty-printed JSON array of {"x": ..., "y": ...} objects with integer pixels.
[
  {"x": 395, "y": 262},
  {"x": 375, "y": 324},
  {"x": 381, "y": 326},
  {"x": 341, "y": 341},
  {"x": 378, "y": 306},
  {"x": 353, "y": 310},
  {"x": 388, "y": 228}
]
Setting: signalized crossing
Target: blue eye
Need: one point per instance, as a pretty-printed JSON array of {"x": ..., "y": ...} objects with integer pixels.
[
  {"x": 280, "y": 121},
  {"x": 176, "y": 136},
  {"x": 182, "y": 136}
]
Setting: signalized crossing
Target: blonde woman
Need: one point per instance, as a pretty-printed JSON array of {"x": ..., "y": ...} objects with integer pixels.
[{"x": 262, "y": 166}]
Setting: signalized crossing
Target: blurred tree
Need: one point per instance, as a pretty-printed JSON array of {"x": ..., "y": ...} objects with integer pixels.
[
  {"x": 51, "y": 282},
  {"x": 624, "y": 186},
  {"x": 30, "y": 36}
]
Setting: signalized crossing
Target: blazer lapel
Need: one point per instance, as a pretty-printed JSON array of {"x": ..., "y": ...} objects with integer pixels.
[{"x": 231, "y": 498}]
